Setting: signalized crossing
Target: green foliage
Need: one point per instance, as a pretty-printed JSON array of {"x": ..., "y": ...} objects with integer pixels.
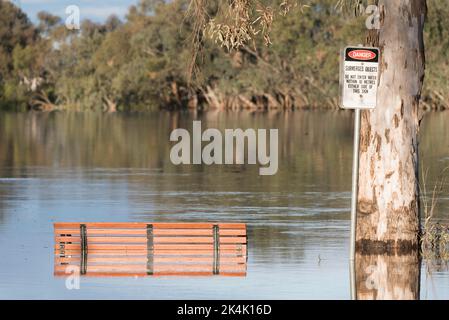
[
  {"x": 132, "y": 66},
  {"x": 16, "y": 32},
  {"x": 300, "y": 67},
  {"x": 144, "y": 62},
  {"x": 436, "y": 90}
]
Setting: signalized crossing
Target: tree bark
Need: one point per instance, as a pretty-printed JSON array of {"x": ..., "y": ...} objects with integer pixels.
[{"x": 388, "y": 195}]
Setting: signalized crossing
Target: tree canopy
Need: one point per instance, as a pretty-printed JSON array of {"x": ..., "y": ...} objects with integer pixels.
[{"x": 142, "y": 63}]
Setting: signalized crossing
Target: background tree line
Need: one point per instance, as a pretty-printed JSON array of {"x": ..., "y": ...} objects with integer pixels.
[{"x": 142, "y": 63}]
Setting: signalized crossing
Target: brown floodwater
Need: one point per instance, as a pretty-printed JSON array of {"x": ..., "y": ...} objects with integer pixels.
[{"x": 57, "y": 167}]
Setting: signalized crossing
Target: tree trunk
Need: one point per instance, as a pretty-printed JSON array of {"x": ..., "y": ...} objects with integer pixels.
[{"x": 388, "y": 198}]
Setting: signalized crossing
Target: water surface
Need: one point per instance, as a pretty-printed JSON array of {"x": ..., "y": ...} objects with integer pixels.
[{"x": 93, "y": 167}]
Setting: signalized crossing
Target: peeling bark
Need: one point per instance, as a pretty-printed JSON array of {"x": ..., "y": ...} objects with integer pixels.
[{"x": 388, "y": 213}]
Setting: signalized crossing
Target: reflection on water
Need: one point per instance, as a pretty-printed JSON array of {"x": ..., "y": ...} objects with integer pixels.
[
  {"x": 90, "y": 167},
  {"x": 387, "y": 277}
]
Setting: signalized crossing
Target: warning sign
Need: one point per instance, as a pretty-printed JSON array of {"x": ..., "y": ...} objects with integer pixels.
[{"x": 359, "y": 78}]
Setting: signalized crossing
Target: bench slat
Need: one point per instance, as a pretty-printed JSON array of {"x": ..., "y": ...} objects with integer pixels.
[
  {"x": 156, "y": 239},
  {"x": 156, "y": 268},
  {"x": 143, "y": 232},
  {"x": 159, "y": 274},
  {"x": 104, "y": 252},
  {"x": 142, "y": 225},
  {"x": 144, "y": 259},
  {"x": 157, "y": 246}
]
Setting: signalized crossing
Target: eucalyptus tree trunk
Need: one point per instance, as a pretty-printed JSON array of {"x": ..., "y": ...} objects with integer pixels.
[{"x": 388, "y": 198}]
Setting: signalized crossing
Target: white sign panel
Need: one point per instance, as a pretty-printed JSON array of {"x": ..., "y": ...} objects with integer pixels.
[{"x": 359, "y": 78}]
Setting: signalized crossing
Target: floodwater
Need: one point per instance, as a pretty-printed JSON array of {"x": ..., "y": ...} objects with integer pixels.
[{"x": 57, "y": 167}]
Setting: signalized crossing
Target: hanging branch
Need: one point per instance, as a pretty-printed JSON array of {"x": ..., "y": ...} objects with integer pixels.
[{"x": 238, "y": 23}]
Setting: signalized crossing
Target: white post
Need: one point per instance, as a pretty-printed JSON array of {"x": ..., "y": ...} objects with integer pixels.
[{"x": 355, "y": 180}]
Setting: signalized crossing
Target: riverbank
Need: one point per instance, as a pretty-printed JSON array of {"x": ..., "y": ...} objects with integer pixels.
[{"x": 143, "y": 63}]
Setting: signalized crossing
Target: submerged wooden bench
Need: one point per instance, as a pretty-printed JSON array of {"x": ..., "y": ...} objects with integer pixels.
[{"x": 146, "y": 249}]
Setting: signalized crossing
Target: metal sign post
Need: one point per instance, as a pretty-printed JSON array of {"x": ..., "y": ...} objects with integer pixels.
[
  {"x": 359, "y": 79},
  {"x": 354, "y": 193},
  {"x": 355, "y": 181}
]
